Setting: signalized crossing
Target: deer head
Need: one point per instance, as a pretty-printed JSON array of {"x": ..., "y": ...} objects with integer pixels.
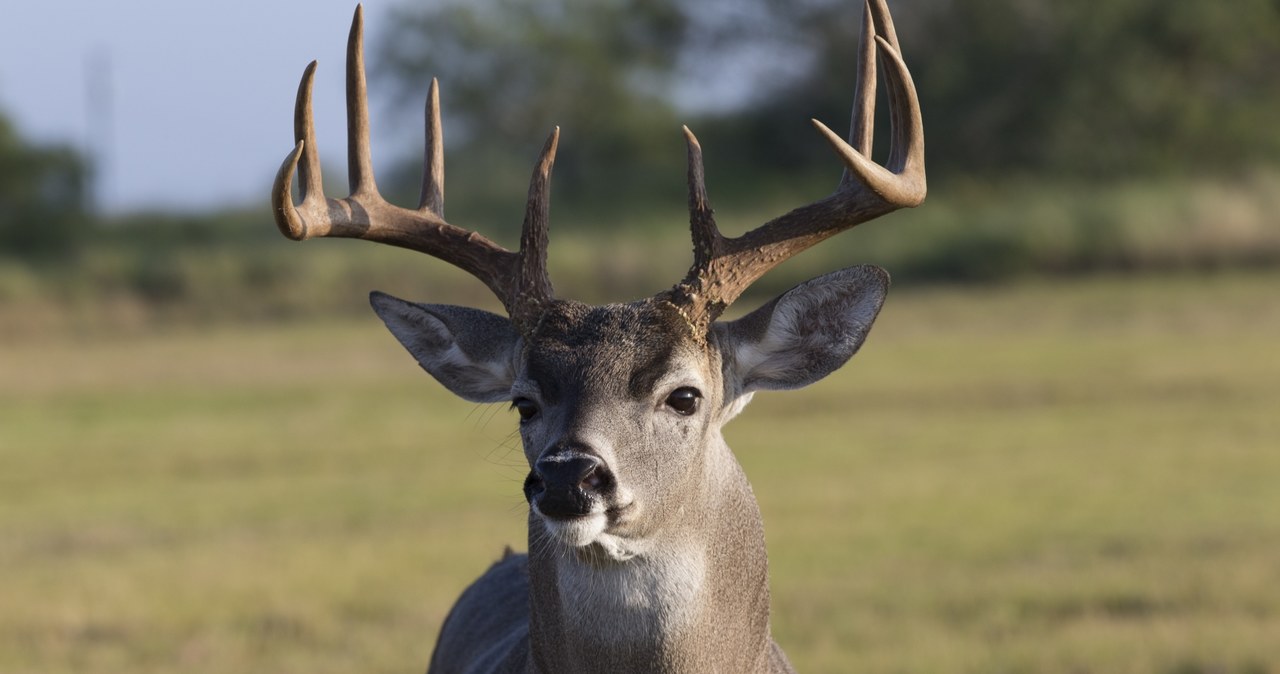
[{"x": 641, "y": 522}]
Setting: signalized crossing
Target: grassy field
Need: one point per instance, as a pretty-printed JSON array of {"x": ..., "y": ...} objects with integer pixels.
[{"x": 1070, "y": 477}]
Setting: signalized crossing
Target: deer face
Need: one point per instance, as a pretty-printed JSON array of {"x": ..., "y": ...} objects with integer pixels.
[
  {"x": 618, "y": 405},
  {"x": 621, "y": 406}
]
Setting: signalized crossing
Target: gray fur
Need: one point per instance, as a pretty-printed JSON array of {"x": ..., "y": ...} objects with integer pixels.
[
  {"x": 668, "y": 572},
  {"x": 807, "y": 332},
  {"x": 468, "y": 350}
]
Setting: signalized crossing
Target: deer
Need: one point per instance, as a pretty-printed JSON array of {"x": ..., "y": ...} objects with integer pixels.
[{"x": 646, "y": 546}]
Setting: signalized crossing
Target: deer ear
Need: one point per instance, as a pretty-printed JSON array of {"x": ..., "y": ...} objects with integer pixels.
[
  {"x": 471, "y": 352},
  {"x": 804, "y": 334}
]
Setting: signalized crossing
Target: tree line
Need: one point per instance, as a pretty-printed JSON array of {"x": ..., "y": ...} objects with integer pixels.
[
  {"x": 1012, "y": 90},
  {"x": 44, "y": 193},
  {"x": 1039, "y": 88}
]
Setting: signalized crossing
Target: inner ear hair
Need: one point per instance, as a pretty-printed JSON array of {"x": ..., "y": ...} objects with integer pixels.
[{"x": 804, "y": 334}]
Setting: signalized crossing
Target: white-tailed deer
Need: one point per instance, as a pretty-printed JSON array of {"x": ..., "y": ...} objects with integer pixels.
[{"x": 646, "y": 545}]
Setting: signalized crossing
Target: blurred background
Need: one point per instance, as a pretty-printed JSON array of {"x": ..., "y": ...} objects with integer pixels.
[{"x": 1056, "y": 453}]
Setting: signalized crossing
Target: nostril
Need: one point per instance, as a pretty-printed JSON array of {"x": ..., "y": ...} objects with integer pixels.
[
  {"x": 533, "y": 486},
  {"x": 598, "y": 481},
  {"x": 570, "y": 471},
  {"x": 593, "y": 481}
]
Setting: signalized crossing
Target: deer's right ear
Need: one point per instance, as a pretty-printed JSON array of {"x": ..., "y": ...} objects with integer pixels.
[
  {"x": 804, "y": 334},
  {"x": 471, "y": 352}
]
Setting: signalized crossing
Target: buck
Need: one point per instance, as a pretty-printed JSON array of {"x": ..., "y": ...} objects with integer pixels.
[{"x": 646, "y": 544}]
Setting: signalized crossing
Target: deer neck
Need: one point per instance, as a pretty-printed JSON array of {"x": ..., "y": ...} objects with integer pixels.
[{"x": 696, "y": 599}]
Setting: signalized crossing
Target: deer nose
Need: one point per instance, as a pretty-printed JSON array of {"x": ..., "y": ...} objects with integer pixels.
[
  {"x": 567, "y": 470},
  {"x": 562, "y": 484}
]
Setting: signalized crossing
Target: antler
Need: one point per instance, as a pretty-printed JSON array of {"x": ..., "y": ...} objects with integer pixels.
[
  {"x": 724, "y": 267},
  {"x": 518, "y": 279}
]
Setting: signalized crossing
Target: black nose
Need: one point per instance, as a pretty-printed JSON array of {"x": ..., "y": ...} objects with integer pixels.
[
  {"x": 562, "y": 484},
  {"x": 566, "y": 470}
]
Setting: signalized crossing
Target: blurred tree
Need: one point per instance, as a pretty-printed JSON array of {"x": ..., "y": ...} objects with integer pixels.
[
  {"x": 510, "y": 70},
  {"x": 1049, "y": 87},
  {"x": 1041, "y": 87},
  {"x": 43, "y": 198},
  {"x": 1101, "y": 88}
]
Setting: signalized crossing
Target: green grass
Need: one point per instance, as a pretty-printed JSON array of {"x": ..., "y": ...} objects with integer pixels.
[{"x": 1054, "y": 477}]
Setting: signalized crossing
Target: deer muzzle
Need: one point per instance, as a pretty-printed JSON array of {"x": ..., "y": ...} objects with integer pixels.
[{"x": 567, "y": 484}]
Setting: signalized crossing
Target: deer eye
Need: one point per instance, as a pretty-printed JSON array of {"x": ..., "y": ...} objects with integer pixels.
[
  {"x": 684, "y": 400},
  {"x": 527, "y": 408}
]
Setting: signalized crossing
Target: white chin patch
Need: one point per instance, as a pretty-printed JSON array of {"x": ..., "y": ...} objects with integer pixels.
[{"x": 577, "y": 532}]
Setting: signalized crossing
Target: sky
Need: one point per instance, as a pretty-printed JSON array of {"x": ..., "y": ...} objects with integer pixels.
[{"x": 188, "y": 105}]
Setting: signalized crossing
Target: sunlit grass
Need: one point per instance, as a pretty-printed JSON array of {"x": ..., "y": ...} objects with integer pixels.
[{"x": 1070, "y": 477}]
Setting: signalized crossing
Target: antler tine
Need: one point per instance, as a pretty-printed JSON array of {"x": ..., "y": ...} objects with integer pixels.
[
  {"x": 707, "y": 240},
  {"x": 702, "y": 220},
  {"x": 879, "y": 10},
  {"x": 861, "y": 127},
  {"x": 432, "y": 198},
  {"x": 359, "y": 156},
  {"x": 288, "y": 220},
  {"x": 304, "y": 131},
  {"x": 533, "y": 285},
  {"x": 867, "y": 190}
]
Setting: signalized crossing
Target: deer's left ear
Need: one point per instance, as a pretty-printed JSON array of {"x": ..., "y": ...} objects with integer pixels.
[
  {"x": 804, "y": 334},
  {"x": 471, "y": 352}
]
